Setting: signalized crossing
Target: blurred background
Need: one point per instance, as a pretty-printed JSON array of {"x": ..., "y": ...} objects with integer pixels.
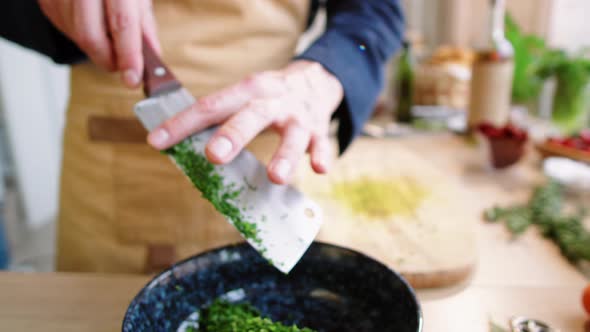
[{"x": 442, "y": 35}]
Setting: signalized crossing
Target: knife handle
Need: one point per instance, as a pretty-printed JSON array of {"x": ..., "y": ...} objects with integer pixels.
[{"x": 157, "y": 78}]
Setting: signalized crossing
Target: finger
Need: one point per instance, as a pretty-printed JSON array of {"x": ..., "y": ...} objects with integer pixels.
[
  {"x": 240, "y": 129},
  {"x": 149, "y": 26},
  {"x": 212, "y": 109},
  {"x": 65, "y": 12},
  {"x": 321, "y": 152},
  {"x": 124, "y": 24},
  {"x": 182, "y": 125},
  {"x": 293, "y": 145},
  {"x": 91, "y": 32}
]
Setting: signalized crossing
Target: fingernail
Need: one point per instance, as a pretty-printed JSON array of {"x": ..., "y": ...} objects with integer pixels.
[
  {"x": 282, "y": 169},
  {"x": 130, "y": 77},
  {"x": 325, "y": 163},
  {"x": 159, "y": 137},
  {"x": 220, "y": 147},
  {"x": 322, "y": 165}
]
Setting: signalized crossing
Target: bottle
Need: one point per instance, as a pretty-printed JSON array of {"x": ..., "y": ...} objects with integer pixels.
[
  {"x": 404, "y": 85},
  {"x": 493, "y": 71}
]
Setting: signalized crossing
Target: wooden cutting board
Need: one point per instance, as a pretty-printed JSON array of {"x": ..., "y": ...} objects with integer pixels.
[{"x": 431, "y": 239}]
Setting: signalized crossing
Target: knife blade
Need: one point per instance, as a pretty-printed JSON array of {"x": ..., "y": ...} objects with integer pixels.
[{"x": 277, "y": 220}]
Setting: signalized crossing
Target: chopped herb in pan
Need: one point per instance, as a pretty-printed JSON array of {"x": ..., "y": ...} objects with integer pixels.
[
  {"x": 223, "y": 316},
  {"x": 210, "y": 183}
]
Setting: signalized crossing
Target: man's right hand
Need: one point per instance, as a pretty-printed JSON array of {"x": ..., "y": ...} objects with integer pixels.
[{"x": 108, "y": 31}]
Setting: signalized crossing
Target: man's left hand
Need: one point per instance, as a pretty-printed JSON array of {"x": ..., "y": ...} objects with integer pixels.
[{"x": 297, "y": 101}]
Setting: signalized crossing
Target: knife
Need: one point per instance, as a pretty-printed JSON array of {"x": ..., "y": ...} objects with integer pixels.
[{"x": 277, "y": 220}]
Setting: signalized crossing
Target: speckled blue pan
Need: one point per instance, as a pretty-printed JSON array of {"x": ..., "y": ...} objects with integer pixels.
[{"x": 331, "y": 289}]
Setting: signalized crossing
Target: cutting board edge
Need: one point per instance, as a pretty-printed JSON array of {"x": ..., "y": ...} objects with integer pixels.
[{"x": 439, "y": 279}]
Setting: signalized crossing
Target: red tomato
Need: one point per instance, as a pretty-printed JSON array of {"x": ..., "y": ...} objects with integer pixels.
[
  {"x": 585, "y": 135},
  {"x": 586, "y": 299}
]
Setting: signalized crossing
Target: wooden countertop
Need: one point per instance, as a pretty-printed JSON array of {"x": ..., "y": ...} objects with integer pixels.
[
  {"x": 525, "y": 277},
  {"x": 63, "y": 302}
]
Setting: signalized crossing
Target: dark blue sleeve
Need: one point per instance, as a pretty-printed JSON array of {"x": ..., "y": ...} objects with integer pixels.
[
  {"x": 23, "y": 22},
  {"x": 360, "y": 37}
]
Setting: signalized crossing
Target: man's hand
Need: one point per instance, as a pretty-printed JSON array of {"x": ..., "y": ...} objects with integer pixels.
[
  {"x": 297, "y": 101},
  {"x": 108, "y": 31}
]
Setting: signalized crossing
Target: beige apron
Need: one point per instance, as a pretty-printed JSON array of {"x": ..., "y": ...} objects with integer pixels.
[{"x": 124, "y": 207}]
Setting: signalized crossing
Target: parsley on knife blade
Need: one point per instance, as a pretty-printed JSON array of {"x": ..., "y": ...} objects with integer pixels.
[{"x": 210, "y": 183}]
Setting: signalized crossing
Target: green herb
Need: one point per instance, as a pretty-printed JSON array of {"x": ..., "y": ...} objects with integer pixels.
[
  {"x": 211, "y": 184},
  {"x": 223, "y": 316},
  {"x": 545, "y": 210},
  {"x": 518, "y": 221}
]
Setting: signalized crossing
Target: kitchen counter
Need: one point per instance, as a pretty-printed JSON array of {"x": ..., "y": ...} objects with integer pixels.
[
  {"x": 63, "y": 302},
  {"x": 524, "y": 277}
]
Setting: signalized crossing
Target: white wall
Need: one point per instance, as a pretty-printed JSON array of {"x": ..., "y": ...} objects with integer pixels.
[
  {"x": 570, "y": 25},
  {"x": 563, "y": 22},
  {"x": 33, "y": 95}
]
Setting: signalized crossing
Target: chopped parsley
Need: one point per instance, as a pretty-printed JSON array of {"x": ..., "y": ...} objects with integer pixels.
[
  {"x": 205, "y": 177},
  {"x": 222, "y": 316}
]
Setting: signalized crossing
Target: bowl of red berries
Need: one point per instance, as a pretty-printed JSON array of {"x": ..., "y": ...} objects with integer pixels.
[
  {"x": 575, "y": 147},
  {"x": 506, "y": 143}
]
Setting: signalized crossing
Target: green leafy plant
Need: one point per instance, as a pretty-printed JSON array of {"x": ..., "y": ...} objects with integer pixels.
[
  {"x": 535, "y": 62},
  {"x": 529, "y": 51},
  {"x": 571, "y": 102}
]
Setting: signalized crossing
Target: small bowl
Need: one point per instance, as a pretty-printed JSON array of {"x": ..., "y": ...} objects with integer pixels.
[
  {"x": 506, "y": 144},
  {"x": 506, "y": 152},
  {"x": 331, "y": 289}
]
